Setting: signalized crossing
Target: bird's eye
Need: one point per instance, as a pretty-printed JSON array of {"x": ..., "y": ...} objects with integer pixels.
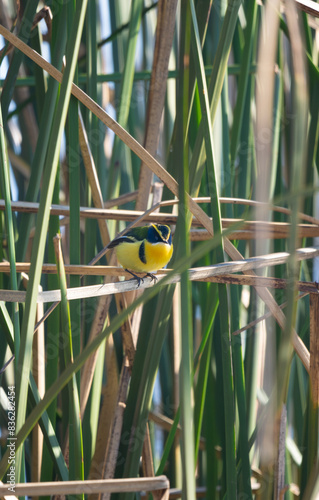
[
  {"x": 153, "y": 235},
  {"x": 164, "y": 233}
]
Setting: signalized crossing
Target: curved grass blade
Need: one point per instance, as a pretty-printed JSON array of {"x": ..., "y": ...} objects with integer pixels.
[
  {"x": 216, "y": 81},
  {"x": 49, "y": 106},
  {"x": 251, "y": 9},
  {"x": 73, "y": 152},
  {"x": 124, "y": 106},
  {"x": 49, "y": 435},
  {"x": 24, "y": 34},
  {"x": 5, "y": 188},
  {"x": 298, "y": 157},
  {"x": 75, "y": 425},
  {"x": 24, "y": 362},
  {"x": 186, "y": 334},
  {"x": 141, "y": 388},
  {"x": 230, "y": 452},
  {"x": 45, "y": 422}
]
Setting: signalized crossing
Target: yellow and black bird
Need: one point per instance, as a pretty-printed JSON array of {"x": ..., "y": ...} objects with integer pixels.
[{"x": 144, "y": 249}]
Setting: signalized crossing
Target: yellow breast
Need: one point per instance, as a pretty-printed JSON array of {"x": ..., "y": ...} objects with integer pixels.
[{"x": 157, "y": 255}]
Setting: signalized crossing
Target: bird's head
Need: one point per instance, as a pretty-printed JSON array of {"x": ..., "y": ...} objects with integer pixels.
[{"x": 159, "y": 234}]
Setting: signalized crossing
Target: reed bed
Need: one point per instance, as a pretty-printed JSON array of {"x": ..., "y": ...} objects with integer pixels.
[{"x": 198, "y": 114}]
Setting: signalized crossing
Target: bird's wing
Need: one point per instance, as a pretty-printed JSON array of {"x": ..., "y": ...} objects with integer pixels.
[
  {"x": 122, "y": 239},
  {"x": 138, "y": 233},
  {"x": 132, "y": 236}
]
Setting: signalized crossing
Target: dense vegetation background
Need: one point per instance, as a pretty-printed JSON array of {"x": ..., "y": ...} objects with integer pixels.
[{"x": 212, "y": 380}]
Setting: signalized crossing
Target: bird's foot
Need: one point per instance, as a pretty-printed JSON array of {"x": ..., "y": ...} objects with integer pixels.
[
  {"x": 152, "y": 276},
  {"x": 139, "y": 279},
  {"x": 135, "y": 277}
]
